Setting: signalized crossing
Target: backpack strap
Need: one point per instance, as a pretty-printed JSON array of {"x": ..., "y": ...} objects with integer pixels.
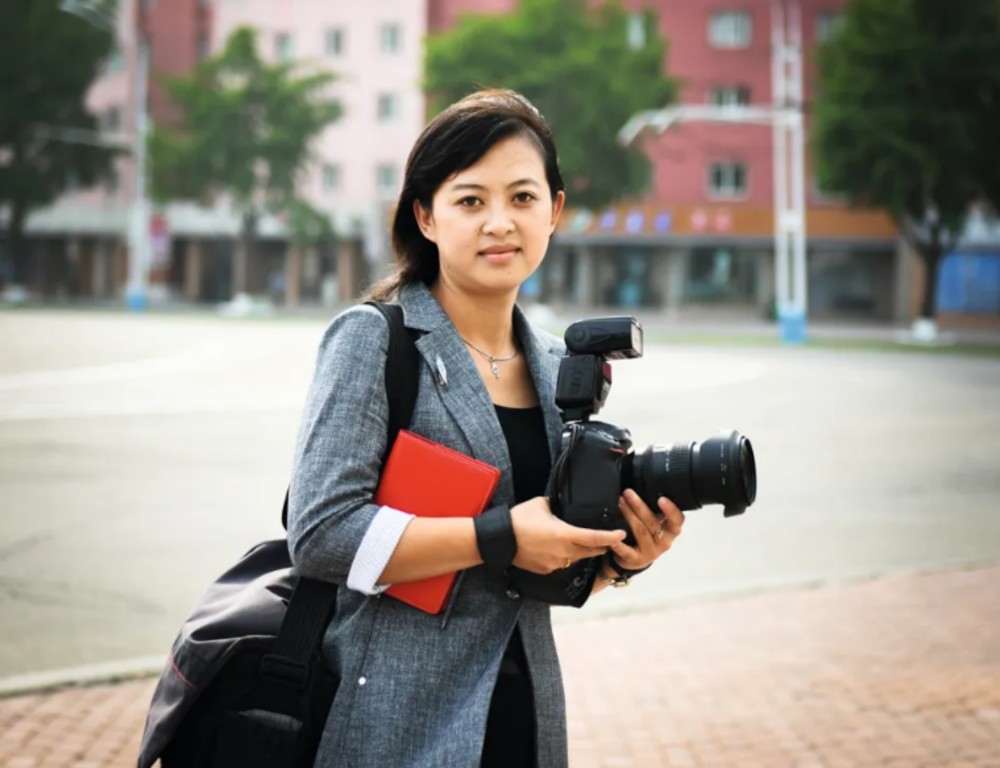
[
  {"x": 312, "y": 600},
  {"x": 402, "y": 374}
]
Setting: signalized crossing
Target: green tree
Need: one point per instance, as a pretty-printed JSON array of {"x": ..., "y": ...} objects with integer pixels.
[
  {"x": 577, "y": 64},
  {"x": 245, "y": 132},
  {"x": 908, "y": 116},
  {"x": 42, "y": 92}
]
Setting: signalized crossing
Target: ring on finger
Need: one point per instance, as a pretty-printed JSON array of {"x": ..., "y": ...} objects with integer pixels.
[
  {"x": 569, "y": 562},
  {"x": 659, "y": 534}
]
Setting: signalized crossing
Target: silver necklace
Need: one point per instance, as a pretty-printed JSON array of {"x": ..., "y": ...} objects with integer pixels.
[{"x": 492, "y": 359}]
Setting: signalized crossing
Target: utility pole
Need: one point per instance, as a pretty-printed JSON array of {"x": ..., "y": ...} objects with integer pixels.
[
  {"x": 139, "y": 252},
  {"x": 788, "y": 126},
  {"x": 789, "y": 169}
]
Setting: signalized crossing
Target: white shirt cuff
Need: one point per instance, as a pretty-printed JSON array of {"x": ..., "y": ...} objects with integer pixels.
[{"x": 376, "y": 548}]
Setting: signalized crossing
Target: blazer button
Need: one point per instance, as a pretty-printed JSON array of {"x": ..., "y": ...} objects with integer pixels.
[{"x": 513, "y": 594}]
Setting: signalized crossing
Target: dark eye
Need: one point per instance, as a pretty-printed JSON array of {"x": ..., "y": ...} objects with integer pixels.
[
  {"x": 524, "y": 197},
  {"x": 469, "y": 202}
]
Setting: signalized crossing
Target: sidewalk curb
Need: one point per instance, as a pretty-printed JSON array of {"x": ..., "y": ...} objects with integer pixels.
[
  {"x": 122, "y": 670},
  {"x": 80, "y": 677}
]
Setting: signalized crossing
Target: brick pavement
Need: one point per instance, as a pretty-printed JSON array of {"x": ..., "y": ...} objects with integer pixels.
[{"x": 900, "y": 671}]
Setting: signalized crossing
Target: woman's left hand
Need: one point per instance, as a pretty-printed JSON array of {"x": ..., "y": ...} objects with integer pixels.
[{"x": 653, "y": 533}]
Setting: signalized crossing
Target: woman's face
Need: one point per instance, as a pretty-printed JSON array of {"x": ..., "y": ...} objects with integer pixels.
[{"x": 492, "y": 221}]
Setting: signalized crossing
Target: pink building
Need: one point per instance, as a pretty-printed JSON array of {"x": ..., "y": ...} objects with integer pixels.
[{"x": 375, "y": 52}]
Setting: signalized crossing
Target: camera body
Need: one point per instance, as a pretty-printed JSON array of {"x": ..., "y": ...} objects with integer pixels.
[{"x": 596, "y": 461}]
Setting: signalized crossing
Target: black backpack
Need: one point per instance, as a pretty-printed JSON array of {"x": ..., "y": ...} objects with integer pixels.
[{"x": 245, "y": 684}]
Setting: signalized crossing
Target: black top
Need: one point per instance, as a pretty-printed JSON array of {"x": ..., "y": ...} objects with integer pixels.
[
  {"x": 528, "y": 445},
  {"x": 510, "y": 727}
]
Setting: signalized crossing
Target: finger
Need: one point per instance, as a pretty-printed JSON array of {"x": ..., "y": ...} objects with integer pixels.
[
  {"x": 595, "y": 539},
  {"x": 641, "y": 510},
  {"x": 674, "y": 517},
  {"x": 641, "y": 531},
  {"x": 585, "y": 553},
  {"x": 625, "y": 553}
]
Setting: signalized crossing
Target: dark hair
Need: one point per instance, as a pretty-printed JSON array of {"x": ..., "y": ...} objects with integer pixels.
[{"x": 453, "y": 141}]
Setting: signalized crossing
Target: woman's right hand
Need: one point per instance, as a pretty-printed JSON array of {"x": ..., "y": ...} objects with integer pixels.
[{"x": 546, "y": 544}]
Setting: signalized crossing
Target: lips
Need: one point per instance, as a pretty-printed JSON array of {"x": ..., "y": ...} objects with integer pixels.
[
  {"x": 500, "y": 255},
  {"x": 495, "y": 250}
]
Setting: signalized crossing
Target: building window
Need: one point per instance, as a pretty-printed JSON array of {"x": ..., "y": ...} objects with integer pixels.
[
  {"x": 203, "y": 49},
  {"x": 636, "y": 34},
  {"x": 331, "y": 177},
  {"x": 826, "y": 23},
  {"x": 335, "y": 42},
  {"x": 386, "y": 177},
  {"x": 111, "y": 120},
  {"x": 727, "y": 179},
  {"x": 114, "y": 62},
  {"x": 730, "y": 29},
  {"x": 390, "y": 38},
  {"x": 822, "y": 195},
  {"x": 388, "y": 106},
  {"x": 283, "y": 46},
  {"x": 730, "y": 96}
]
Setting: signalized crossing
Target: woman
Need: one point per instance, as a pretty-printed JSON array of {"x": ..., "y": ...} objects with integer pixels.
[{"x": 481, "y": 197}]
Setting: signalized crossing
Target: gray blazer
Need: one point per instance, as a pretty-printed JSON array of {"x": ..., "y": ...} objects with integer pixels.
[{"x": 415, "y": 689}]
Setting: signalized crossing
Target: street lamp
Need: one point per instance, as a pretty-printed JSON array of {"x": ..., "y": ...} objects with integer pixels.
[
  {"x": 785, "y": 117},
  {"x": 136, "y": 286}
]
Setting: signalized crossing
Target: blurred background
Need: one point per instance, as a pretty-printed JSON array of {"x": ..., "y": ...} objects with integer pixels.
[
  {"x": 766, "y": 160},
  {"x": 795, "y": 190},
  {"x": 798, "y": 199}
]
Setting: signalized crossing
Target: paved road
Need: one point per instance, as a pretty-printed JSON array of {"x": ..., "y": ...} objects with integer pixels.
[{"x": 139, "y": 456}]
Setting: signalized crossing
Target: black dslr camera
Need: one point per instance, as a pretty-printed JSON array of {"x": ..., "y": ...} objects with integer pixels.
[{"x": 596, "y": 462}]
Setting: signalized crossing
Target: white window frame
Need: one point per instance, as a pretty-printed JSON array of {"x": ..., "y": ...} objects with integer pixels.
[
  {"x": 727, "y": 192},
  {"x": 387, "y": 107},
  {"x": 331, "y": 177},
  {"x": 339, "y": 35},
  {"x": 729, "y": 95},
  {"x": 115, "y": 62},
  {"x": 280, "y": 39},
  {"x": 390, "y": 37},
  {"x": 635, "y": 33},
  {"x": 822, "y": 197},
  {"x": 111, "y": 120},
  {"x": 731, "y": 29},
  {"x": 203, "y": 46},
  {"x": 386, "y": 177},
  {"x": 826, "y": 22}
]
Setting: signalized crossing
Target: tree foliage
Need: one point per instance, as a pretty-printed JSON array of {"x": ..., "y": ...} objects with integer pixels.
[
  {"x": 42, "y": 93},
  {"x": 246, "y": 128},
  {"x": 908, "y": 114},
  {"x": 245, "y": 132},
  {"x": 574, "y": 61}
]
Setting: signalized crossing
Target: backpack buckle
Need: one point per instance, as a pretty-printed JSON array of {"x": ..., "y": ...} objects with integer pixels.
[{"x": 284, "y": 670}]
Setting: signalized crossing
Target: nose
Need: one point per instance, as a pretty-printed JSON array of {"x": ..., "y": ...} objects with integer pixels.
[{"x": 498, "y": 221}]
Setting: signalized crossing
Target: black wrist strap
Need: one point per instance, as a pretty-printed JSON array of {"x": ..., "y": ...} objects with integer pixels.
[
  {"x": 621, "y": 570},
  {"x": 495, "y": 538}
]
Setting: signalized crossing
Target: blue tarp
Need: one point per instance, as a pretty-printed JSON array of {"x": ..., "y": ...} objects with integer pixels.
[{"x": 969, "y": 281}]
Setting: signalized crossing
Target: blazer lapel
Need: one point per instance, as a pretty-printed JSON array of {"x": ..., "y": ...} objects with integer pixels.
[
  {"x": 458, "y": 382},
  {"x": 543, "y": 362}
]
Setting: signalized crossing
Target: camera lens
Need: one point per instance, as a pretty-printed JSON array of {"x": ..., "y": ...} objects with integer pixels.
[{"x": 720, "y": 470}]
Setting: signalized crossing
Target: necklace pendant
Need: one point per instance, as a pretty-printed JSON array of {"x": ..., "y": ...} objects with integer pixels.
[{"x": 495, "y": 369}]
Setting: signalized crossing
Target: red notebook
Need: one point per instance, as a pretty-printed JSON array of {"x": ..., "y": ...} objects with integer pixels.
[{"x": 427, "y": 479}]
